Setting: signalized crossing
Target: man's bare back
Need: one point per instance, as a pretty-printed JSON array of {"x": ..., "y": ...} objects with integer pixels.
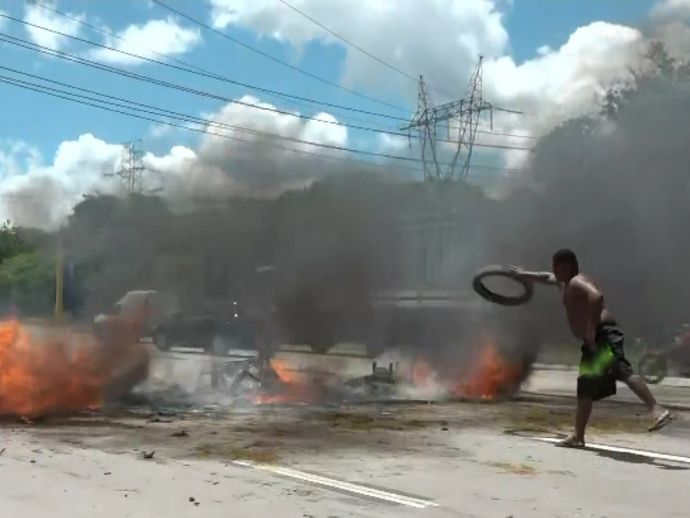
[{"x": 577, "y": 296}]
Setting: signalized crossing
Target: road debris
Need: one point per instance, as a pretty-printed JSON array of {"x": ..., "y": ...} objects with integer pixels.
[
  {"x": 179, "y": 433},
  {"x": 149, "y": 455}
]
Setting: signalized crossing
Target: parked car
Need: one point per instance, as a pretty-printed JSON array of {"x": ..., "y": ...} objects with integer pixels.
[
  {"x": 137, "y": 309},
  {"x": 211, "y": 331}
]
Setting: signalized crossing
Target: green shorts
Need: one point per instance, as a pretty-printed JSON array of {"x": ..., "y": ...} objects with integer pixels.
[{"x": 601, "y": 368}]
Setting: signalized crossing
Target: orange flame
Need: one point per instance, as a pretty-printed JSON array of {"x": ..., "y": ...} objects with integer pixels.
[
  {"x": 62, "y": 372},
  {"x": 283, "y": 371},
  {"x": 295, "y": 387},
  {"x": 490, "y": 376}
]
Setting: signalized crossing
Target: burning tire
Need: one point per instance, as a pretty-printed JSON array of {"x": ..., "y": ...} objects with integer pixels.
[{"x": 498, "y": 298}]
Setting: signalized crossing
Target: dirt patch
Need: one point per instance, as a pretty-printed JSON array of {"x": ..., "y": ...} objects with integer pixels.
[
  {"x": 605, "y": 421},
  {"x": 359, "y": 421},
  {"x": 515, "y": 469},
  {"x": 259, "y": 452},
  {"x": 285, "y": 433}
]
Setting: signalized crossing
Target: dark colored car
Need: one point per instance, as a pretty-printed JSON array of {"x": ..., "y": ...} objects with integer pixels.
[{"x": 209, "y": 331}]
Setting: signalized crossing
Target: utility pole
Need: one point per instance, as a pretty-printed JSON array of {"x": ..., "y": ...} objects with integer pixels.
[{"x": 59, "y": 281}]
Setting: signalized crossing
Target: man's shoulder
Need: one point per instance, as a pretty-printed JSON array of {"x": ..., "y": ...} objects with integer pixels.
[
  {"x": 579, "y": 283},
  {"x": 582, "y": 278}
]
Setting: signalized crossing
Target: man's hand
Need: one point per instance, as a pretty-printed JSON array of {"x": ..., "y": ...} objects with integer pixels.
[{"x": 540, "y": 277}]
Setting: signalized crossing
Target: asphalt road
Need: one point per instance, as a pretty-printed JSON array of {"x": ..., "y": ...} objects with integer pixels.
[{"x": 439, "y": 460}]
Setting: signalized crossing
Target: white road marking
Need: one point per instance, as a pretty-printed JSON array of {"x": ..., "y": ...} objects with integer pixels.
[
  {"x": 348, "y": 487},
  {"x": 618, "y": 449}
]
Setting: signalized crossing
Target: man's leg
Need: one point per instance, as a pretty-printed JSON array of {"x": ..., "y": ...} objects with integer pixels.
[
  {"x": 585, "y": 391},
  {"x": 641, "y": 389},
  {"x": 584, "y": 410},
  {"x": 624, "y": 372}
]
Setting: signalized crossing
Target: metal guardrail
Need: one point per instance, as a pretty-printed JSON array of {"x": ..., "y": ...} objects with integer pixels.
[{"x": 429, "y": 299}]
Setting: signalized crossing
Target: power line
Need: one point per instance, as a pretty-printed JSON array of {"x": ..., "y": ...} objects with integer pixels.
[
  {"x": 147, "y": 79},
  {"x": 182, "y": 65},
  {"x": 273, "y": 58},
  {"x": 154, "y": 110},
  {"x": 190, "y": 68},
  {"x": 103, "y": 31},
  {"x": 348, "y": 42},
  {"x": 119, "y": 107},
  {"x": 359, "y": 48},
  {"x": 52, "y": 92},
  {"x": 195, "y": 120}
]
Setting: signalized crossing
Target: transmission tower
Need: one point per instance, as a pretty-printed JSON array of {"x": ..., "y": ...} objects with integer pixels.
[
  {"x": 464, "y": 113},
  {"x": 423, "y": 120},
  {"x": 131, "y": 170}
]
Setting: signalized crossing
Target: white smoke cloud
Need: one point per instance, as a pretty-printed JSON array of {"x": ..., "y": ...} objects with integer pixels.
[
  {"x": 226, "y": 162},
  {"x": 36, "y": 193},
  {"x": 41, "y": 17},
  {"x": 151, "y": 39},
  {"x": 263, "y": 161},
  {"x": 671, "y": 9},
  {"x": 671, "y": 19}
]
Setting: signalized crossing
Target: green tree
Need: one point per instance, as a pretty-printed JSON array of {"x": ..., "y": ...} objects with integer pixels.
[
  {"x": 12, "y": 242},
  {"x": 27, "y": 281}
]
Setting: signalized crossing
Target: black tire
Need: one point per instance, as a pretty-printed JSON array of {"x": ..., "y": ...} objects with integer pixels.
[
  {"x": 497, "y": 298},
  {"x": 653, "y": 367},
  {"x": 160, "y": 339}
]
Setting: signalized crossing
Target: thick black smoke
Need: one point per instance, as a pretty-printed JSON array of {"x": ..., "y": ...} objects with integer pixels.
[{"x": 616, "y": 189}]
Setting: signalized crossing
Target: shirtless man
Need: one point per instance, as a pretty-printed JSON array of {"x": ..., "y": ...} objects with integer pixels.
[{"x": 603, "y": 360}]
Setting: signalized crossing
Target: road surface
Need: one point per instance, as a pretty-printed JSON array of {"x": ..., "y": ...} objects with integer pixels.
[{"x": 380, "y": 460}]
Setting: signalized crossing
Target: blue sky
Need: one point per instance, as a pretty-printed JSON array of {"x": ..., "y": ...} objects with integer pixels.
[
  {"x": 533, "y": 23},
  {"x": 45, "y": 122},
  {"x": 550, "y": 59}
]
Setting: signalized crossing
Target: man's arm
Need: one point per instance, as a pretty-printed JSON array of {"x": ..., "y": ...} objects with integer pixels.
[{"x": 547, "y": 278}]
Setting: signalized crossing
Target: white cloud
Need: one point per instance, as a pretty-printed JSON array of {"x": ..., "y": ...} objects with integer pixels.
[
  {"x": 151, "y": 39},
  {"x": 39, "y": 193},
  {"x": 41, "y": 17},
  {"x": 559, "y": 82},
  {"x": 567, "y": 82},
  {"x": 36, "y": 193},
  {"x": 438, "y": 38},
  {"x": 442, "y": 39}
]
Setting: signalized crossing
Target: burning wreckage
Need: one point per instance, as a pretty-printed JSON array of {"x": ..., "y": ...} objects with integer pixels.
[{"x": 57, "y": 370}]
